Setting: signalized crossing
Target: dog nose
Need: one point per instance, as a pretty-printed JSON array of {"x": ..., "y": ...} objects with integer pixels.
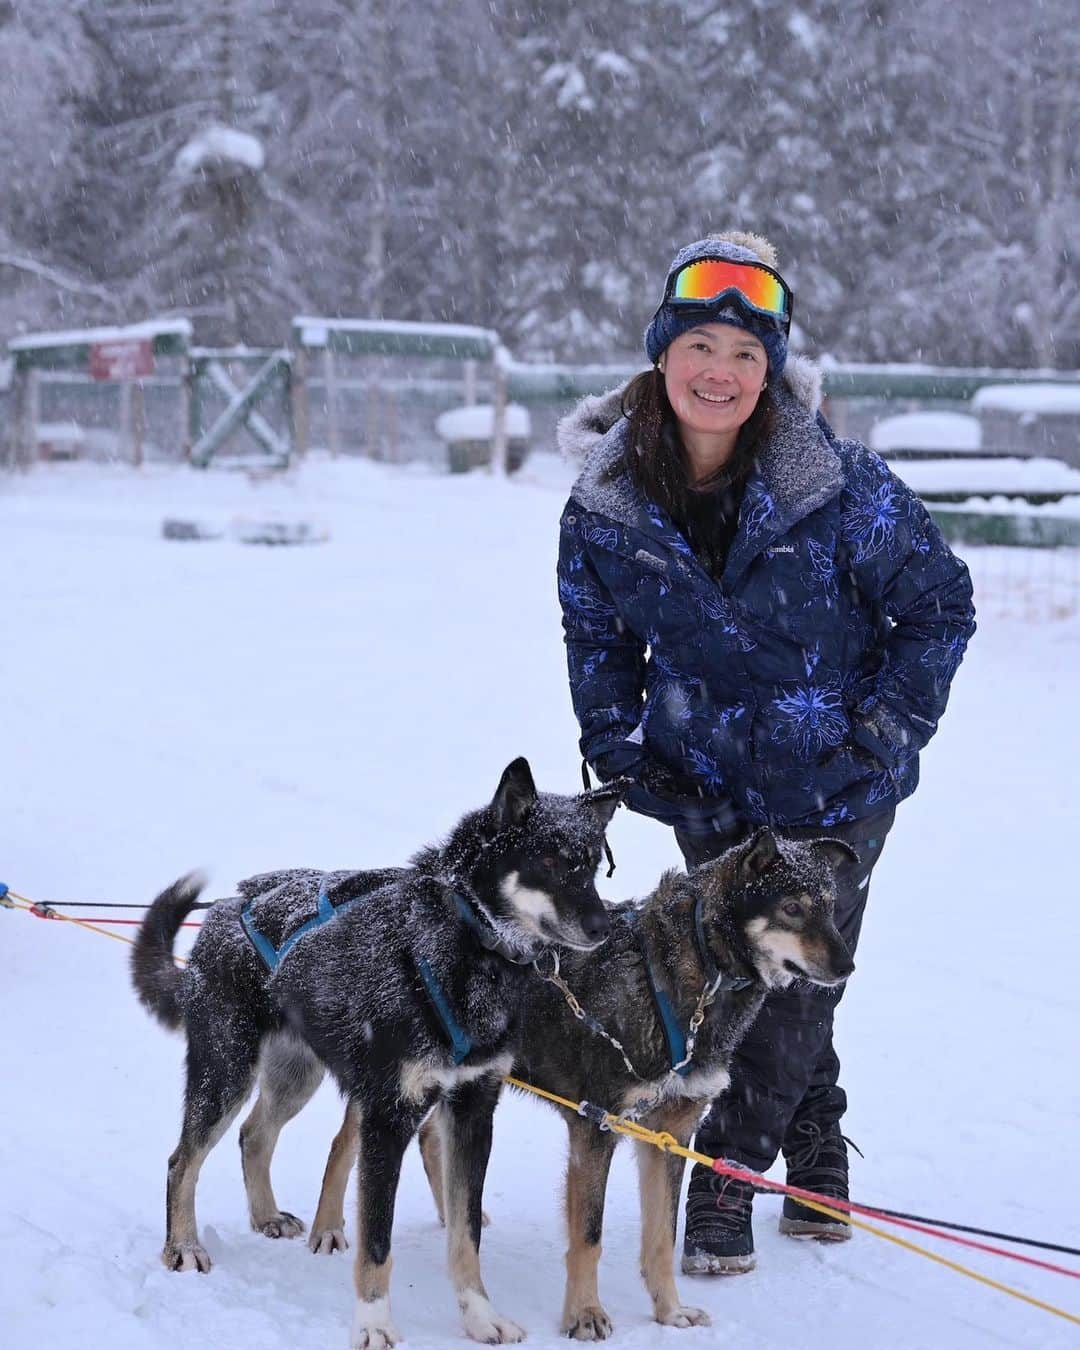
[{"x": 596, "y": 925}]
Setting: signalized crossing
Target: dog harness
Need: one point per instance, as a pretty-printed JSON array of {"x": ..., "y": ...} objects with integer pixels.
[
  {"x": 714, "y": 980},
  {"x": 461, "y": 1043},
  {"x": 272, "y": 956}
]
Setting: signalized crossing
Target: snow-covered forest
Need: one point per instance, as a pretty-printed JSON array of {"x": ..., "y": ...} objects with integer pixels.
[{"x": 530, "y": 165}]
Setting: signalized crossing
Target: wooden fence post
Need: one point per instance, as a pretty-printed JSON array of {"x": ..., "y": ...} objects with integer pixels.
[
  {"x": 299, "y": 399},
  {"x": 499, "y": 450},
  {"x": 138, "y": 421},
  {"x": 333, "y": 426}
]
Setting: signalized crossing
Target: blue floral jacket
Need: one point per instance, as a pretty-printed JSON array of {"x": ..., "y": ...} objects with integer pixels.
[{"x": 800, "y": 688}]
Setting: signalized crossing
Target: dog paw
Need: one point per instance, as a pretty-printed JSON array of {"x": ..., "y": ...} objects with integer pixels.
[
  {"x": 372, "y": 1328},
  {"x": 680, "y": 1316},
  {"x": 283, "y": 1225},
  {"x": 484, "y": 1324},
  {"x": 374, "y": 1338},
  {"x": 325, "y": 1241},
  {"x": 186, "y": 1256},
  {"x": 590, "y": 1323}
]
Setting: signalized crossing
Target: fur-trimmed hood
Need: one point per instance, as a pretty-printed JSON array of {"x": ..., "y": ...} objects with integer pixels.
[{"x": 799, "y": 466}]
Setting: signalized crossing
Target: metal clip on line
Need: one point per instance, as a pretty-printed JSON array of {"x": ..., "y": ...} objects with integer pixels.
[
  {"x": 596, "y": 1027},
  {"x": 596, "y": 1114}
]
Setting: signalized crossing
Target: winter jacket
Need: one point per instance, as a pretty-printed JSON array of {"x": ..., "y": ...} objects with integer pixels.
[{"x": 800, "y": 687}]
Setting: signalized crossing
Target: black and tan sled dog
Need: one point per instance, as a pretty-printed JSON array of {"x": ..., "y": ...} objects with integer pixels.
[
  {"x": 753, "y": 920},
  {"x": 407, "y": 984}
]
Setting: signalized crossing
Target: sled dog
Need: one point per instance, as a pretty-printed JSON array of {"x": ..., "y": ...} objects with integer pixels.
[
  {"x": 751, "y": 921},
  {"x": 407, "y": 984}
]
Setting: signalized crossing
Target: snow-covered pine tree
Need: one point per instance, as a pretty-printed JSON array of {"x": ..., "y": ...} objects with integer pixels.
[
  {"x": 599, "y": 130},
  {"x": 1010, "y": 247},
  {"x": 531, "y": 165},
  {"x": 46, "y": 68}
]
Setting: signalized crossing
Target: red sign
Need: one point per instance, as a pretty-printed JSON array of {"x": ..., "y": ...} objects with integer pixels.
[{"x": 122, "y": 359}]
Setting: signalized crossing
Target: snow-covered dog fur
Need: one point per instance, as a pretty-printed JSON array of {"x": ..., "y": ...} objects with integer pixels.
[
  {"x": 352, "y": 995},
  {"x": 766, "y": 909}
]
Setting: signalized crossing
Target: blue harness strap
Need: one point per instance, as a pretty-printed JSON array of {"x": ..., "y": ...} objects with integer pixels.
[
  {"x": 673, "y": 1032},
  {"x": 458, "y": 1038},
  {"x": 676, "y": 1037},
  {"x": 272, "y": 956}
]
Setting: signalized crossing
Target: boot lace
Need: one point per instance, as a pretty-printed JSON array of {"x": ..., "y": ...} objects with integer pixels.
[
  {"x": 818, "y": 1159},
  {"x": 720, "y": 1204},
  {"x": 818, "y": 1146}
]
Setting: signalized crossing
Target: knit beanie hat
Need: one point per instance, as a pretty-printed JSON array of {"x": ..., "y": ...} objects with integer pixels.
[{"x": 669, "y": 322}]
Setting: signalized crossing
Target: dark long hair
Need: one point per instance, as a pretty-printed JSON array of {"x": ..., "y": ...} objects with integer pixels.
[{"x": 656, "y": 458}]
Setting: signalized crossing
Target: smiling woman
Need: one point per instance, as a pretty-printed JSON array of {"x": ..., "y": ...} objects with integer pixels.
[
  {"x": 713, "y": 376},
  {"x": 762, "y": 624}
]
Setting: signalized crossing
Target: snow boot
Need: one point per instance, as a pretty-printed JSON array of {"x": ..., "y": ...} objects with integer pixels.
[
  {"x": 816, "y": 1161},
  {"x": 719, "y": 1236}
]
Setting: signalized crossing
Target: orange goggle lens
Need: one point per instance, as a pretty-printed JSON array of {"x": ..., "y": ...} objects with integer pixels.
[{"x": 708, "y": 280}]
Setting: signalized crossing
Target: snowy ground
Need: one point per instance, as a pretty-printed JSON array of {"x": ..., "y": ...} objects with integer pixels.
[{"x": 171, "y": 705}]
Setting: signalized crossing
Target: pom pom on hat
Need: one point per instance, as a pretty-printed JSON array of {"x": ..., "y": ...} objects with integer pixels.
[{"x": 737, "y": 246}]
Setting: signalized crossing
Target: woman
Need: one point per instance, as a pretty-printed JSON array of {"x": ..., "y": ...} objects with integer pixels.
[{"x": 762, "y": 623}]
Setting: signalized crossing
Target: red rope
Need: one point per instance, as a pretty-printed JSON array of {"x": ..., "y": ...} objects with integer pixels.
[
  {"x": 55, "y": 914},
  {"x": 847, "y": 1207}
]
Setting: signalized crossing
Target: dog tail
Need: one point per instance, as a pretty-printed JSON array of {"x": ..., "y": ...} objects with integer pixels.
[{"x": 154, "y": 973}]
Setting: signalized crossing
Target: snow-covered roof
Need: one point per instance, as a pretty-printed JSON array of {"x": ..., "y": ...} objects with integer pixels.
[
  {"x": 477, "y": 423},
  {"x": 982, "y": 477},
  {"x": 927, "y": 431},
  {"x": 60, "y": 433},
  {"x": 1044, "y": 399},
  {"x": 829, "y": 362},
  {"x": 314, "y": 332},
  {"x": 998, "y": 504},
  {"x": 614, "y": 372},
  {"x": 220, "y": 144},
  {"x": 80, "y": 337}
]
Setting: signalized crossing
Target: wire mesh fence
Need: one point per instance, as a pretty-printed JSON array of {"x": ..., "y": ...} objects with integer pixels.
[
  {"x": 1036, "y": 585},
  {"x": 386, "y": 407},
  {"x": 76, "y": 417}
]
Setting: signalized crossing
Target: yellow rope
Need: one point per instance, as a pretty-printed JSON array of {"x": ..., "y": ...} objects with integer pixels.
[
  {"x": 21, "y": 902},
  {"x": 669, "y": 1144}
]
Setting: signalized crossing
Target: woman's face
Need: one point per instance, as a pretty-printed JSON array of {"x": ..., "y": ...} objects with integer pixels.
[{"x": 713, "y": 374}]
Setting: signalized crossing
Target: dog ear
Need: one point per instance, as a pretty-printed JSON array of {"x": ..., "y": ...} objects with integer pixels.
[
  {"x": 837, "y": 853},
  {"x": 514, "y": 795},
  {"x": 761, "y": 853}
]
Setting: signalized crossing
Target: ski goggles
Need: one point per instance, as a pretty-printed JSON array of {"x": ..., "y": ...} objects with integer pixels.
[{"x": 705, "y": 282}]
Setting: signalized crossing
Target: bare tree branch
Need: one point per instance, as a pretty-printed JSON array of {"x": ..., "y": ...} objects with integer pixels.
[{"x": 58, "y": 278}]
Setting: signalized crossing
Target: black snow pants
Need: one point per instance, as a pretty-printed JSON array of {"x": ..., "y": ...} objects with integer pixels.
[{"x": 786, "y": 1070}]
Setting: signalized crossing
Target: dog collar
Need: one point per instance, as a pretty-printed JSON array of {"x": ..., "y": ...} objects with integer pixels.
[
  {"x": 473, "y": 917},
  {"x": 715, "y": 981}
]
